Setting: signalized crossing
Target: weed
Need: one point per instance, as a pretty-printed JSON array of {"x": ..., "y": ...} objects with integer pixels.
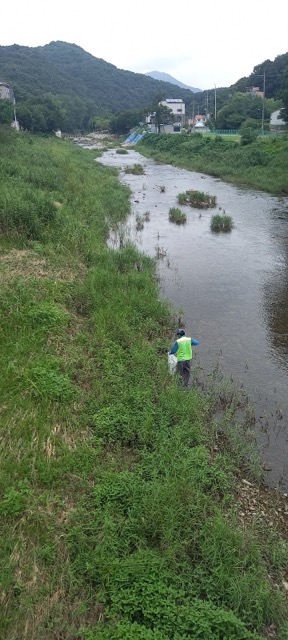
[
  {"x": 118, "y": 509},
  {"x": 221, "y": 223},
  {"x": 197, "y": 199},
  {"x": 139, "y": 223},
  {"x": 136, "y": 169},
  {"x": 177, "y": 216}
]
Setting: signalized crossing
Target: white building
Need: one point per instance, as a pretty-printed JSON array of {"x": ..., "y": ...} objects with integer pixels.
[
  {"x": 6, "y": 92},
  {"x": 177, "y": 107},
  {"x": 276, "y": 122}
]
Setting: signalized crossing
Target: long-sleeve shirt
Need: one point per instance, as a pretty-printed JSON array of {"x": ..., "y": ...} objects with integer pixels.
[{"x": 175, "y": 345}]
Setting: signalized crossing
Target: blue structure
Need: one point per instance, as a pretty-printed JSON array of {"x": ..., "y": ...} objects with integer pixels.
[{"x": 134, "y": 137}]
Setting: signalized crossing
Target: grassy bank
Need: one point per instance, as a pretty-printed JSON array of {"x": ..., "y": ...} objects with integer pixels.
[
  {"x": 262, "y": 164},
  {"x": 118, "y": 491}
]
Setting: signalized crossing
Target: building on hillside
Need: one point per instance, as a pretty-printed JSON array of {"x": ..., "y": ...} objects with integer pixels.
[
  {"x": 255, "y": 91},
  {"x": 6, "y": 92},
  {"x": 177, "y": 107},
  {"x": 198, "y": 121},
  {"x": 276, "y": 122}
]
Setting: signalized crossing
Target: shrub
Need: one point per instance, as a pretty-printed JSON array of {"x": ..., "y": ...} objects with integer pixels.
[
  {"x": 139, "y": 223},
  {"x": 136, "y": 169},
  {"x": 197, "y": 199},
  {"x": 248, "y": 136},
  {"x": 221, "y": 223},
  {"x": 177, "y": 216},
  {"x": 122, "y": 151}
]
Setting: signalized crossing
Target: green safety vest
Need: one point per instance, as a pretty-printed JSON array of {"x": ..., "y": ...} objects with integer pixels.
[{"x": 184, "y": 351}]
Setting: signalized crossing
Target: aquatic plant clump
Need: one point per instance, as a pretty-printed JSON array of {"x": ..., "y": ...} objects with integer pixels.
[
  {"x": 139, "y": 223},
  {"x": 221, "y": 223},
  {"x": 136, "y": 169},
  {"x": 121, "y": 151},
  {"x": 197, "y": 199},
  {"x": 177, "y": 216}
]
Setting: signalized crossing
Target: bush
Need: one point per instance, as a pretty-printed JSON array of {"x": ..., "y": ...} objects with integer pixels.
[
  {"x": 221, "y": 223},
  {"x": 197, "y": 199},
  {"x": 177, "y": 216},
  {"x": 247, "y": 136},
  {"x": 136, "y": 169}
]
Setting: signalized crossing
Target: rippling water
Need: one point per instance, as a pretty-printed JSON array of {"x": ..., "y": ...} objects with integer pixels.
[{"x": 232, "y": 288}]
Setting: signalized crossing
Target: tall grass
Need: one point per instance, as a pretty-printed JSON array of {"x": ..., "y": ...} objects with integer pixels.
[
  {"x": 262, "y": 164},
  {"x": 118, "y": 517}
]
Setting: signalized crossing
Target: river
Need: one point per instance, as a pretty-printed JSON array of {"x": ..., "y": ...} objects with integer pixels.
[{"x": 232, "y": 288}]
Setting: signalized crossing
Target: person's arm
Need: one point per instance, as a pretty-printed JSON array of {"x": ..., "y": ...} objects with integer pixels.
[
  {"x": 194, "y": 342},
  {"x": 173, "y": 348}
]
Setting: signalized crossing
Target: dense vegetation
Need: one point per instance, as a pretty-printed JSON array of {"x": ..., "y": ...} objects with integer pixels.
[
  {"x": 83, "y": 89},
  {"x": 61, "y": 85},
  {"x": 118, "y": 502},
  {"x": 262, "y": 164}
]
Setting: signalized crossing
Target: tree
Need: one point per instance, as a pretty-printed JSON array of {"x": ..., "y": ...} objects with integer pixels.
[
  {"x": 163, "y": 115},
  {"x": 284, "y": 96},
  {"x": 6, "y": 111},
  {"x": 123, "y": 122}
]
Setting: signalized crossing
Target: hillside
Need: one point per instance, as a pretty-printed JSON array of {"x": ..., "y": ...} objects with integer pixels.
[{"x": 66, "y": 69}]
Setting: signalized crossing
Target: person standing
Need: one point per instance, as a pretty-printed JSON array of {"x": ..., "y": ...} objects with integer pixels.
[{"x": 182, "y": 349}]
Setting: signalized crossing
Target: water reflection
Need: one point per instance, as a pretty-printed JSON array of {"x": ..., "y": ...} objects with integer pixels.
[{"x": 232, "y": 287}]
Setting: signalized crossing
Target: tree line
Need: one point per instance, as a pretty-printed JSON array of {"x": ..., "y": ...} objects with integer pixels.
[{"x": 62, "y": 86}]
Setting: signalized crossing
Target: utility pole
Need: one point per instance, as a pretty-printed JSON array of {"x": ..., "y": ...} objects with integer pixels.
[
  {"x": 193, "y": 114},
  {"x": 215, "y": 105},
  {"x": 264, "y": 82}
]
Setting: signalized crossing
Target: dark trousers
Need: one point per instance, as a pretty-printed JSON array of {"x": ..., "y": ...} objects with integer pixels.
[{"x": 183, "y": 369}]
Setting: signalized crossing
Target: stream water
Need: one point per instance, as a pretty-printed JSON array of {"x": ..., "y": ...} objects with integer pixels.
[{"x": 232, "y": 288}]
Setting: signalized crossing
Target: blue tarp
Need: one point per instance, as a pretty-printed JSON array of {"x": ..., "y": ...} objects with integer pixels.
[{"x": 134, "y": 137}]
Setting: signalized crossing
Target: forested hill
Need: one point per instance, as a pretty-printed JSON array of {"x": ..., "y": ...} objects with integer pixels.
[{"x": 66, "y": 69}]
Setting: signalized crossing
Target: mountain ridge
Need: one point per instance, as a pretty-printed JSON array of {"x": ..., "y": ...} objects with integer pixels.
[
  {"x": 166, "y": 77},
  {"x": 66, "y": 69}
]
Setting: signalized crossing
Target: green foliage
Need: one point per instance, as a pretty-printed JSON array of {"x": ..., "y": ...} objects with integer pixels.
[
  {"x": 177, "y": 216},
  {"x": 117, "y": 510},
  {"x": 47, "y": 315},
  {"x": 123, "y": 122},
  {"x": 136, "y": 169},
  {"x": 14, "y": 499},
  {"x": 221, "y": 223},
  {"x": 248, "y": 135},
  {"x": 197, "y": 199},
  {"x": 6, "y": 111},
  {"x": 45, "y": 380},
  {"x": 262, "y": 164},
  {"x": 22, "y": 209},
  {"x": 87, "y": 91},
  {"x": 122, "y": 151}
]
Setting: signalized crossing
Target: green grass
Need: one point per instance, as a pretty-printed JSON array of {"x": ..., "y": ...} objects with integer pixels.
[
  {"x": 262, "y": 164},
  {"x": 118, "y": 509},
  {"x": 197, "y": 199},
  {"x": 221, "y": 223},
  {"x": 136, "y": 169},
  {"x": 177, "y": 216}
]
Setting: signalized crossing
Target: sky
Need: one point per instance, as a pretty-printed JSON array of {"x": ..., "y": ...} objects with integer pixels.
[{"x": 208, "y": 44}]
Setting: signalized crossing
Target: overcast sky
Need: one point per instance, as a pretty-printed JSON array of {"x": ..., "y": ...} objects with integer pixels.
[{"x": 214, "y": 42}]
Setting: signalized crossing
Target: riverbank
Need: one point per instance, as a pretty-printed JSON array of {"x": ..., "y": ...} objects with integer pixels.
[
  {"x": 262, "y": 164},
  {"x": 121, "y": 497}
]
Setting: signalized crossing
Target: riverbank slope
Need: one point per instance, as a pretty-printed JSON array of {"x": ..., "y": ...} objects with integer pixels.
[
  {"x": 262, "y": 164},
  {"x": 122, "y": 498}
]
